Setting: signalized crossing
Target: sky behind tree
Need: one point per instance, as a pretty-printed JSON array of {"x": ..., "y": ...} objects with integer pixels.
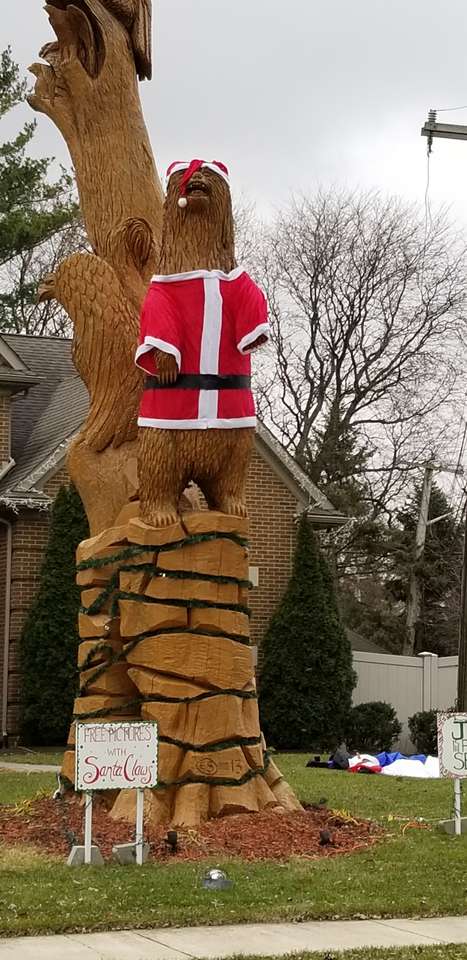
[{"x": 295, "y": 93}]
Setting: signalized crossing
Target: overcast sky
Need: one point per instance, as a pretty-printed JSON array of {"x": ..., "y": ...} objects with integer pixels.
[{"x": 295, "y": 93}]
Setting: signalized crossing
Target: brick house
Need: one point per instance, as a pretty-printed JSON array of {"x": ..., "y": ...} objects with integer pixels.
[{"x": 42, "y": 406}]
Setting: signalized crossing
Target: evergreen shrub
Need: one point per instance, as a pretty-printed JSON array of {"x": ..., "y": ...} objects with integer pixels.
[
  {"x": 373, "y": 727},
  {"x": 306, "y": 678},
  {"x": 49, "y": 642},
  {"x": 424, "y": 732}
]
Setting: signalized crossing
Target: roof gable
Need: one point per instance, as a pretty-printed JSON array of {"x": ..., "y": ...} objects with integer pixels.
[
  {"x": 9, "y": 358},
  {"x": 15, "y": 375},
  {"x": 44, "y": 417}
]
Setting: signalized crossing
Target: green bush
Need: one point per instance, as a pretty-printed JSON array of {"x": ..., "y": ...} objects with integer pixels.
[
  {"x": 49, "y": 642},
  {"x": 373, "y": 727},
  {"x": 306, "y": 679},
  {"x": 424, "y": 732}
]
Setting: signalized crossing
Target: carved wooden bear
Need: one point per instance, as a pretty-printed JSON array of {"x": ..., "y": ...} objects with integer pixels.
[{"x": 202, "y": 317}]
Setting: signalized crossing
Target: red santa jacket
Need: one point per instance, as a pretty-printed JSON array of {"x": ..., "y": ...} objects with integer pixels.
[{"x": 209, "y": 321}]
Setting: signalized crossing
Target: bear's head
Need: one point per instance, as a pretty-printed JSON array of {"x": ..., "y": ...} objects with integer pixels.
[{"x": 198, "y": 233}]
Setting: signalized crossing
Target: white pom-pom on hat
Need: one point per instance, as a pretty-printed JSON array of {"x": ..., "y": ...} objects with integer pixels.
[{"x": 183, "y": 202}]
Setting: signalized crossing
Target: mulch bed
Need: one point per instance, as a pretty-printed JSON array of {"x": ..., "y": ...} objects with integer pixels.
[{"x": 54, "y": 825}]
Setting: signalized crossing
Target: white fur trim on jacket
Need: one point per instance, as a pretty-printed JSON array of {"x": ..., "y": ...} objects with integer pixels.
[
  {"x": 212, "y": 424},
  {"x": 151, "y": 343},
  {"x": 246, "y": 343}
]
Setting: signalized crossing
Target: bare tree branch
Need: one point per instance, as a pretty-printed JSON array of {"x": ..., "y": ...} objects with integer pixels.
[
  {"x": 20, "y": 278},
  {"x": 367, "y": 321}
]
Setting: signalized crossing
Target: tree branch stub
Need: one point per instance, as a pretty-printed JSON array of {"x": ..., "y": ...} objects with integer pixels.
[{"x": 98, "y": 111}]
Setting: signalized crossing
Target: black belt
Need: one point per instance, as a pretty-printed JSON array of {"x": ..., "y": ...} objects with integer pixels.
[{"x": 201, "y": 381}]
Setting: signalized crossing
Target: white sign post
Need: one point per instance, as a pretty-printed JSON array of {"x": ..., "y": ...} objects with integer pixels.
[
  {"x": 112, "y": 756},
  {"x": 452, "y": 750},
  {"x": 139, "y": 838},
  {"x": 88, "y": 827}
]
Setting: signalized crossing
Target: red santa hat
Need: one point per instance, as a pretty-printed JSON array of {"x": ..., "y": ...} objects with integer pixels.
[{"x": 191, "y": 168}]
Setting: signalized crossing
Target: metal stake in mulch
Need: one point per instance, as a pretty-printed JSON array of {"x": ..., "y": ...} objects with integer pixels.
[{"x": 452, "y": 751}]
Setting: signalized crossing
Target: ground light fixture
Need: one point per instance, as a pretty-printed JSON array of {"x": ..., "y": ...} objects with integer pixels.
[
  {"x": 172, "y": 840},
  {"x": 216, "y": 879}
]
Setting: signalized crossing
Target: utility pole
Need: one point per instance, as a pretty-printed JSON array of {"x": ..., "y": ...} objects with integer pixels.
[
  {"x": 454, "y": 131},
  {"x": 413, "y": 604},
  {"x": 445, "y": 131},
  {"x": 414, "y": 598},
  {"x": 462, "y": 668}
]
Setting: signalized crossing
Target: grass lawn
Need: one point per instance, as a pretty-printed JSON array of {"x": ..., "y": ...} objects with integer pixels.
[
  {"x": 49, "y": 755},
  {"x": 16, "y": 787},
  {"x": 364, "y": 795},
  {"x": 414, "y": 872},
  {"x": 452, "y": 952}
]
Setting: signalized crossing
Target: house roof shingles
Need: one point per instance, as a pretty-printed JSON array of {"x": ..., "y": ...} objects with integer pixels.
[{"x": 44, "y": 418}]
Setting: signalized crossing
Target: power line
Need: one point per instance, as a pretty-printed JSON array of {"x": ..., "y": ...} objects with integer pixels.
[
  {"x": 460, "y": 512},
  {"x": 449, "y": 109},
  {"x": 459, "y": 459},
  {"x": 428, "y": 217}
]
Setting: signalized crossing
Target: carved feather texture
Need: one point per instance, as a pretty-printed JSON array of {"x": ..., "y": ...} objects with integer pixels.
[{"x": 104, "y": 342}]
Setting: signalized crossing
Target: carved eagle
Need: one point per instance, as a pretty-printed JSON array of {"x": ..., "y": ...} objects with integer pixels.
[
  {"x": 105, "y": 335},
  {"x": 135, "y": 15}
]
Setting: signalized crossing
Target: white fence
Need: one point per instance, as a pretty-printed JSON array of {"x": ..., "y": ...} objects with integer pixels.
[{"x": 409, "y": 684}]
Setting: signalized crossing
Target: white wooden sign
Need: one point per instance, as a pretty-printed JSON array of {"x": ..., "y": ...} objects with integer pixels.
[
  {"x": 452, "y": 751},
  {"x": 452, "y": 745},
  {"x": 113, "y": 756}
]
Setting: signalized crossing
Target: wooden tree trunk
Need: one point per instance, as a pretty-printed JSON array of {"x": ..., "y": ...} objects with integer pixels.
[
  {"x": 164, "y": 632},
  {"x": 167, "y": 633}
]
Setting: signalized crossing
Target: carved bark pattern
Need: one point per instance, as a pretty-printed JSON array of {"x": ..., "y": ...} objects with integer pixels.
[{"x": 179, "y": 654}]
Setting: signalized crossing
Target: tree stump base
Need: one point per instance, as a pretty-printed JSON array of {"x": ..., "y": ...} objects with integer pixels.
[{"x": 165, "y": 637}]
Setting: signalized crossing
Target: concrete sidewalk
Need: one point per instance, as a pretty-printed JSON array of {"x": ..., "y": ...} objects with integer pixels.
[
  {"x": 274, "y": 939},
  {"x": 28, "y": 767}
]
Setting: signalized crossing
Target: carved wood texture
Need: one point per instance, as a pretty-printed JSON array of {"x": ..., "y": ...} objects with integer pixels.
[
  {"x": 178, "y": 652},
  {"x": 88, "y": 87}
]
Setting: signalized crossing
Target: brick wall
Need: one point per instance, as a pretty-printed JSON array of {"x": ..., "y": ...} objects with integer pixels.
[
  {"x": 3, "y": 553},
  {"x": 30, "y": 533},
  {"x": 53, "y": 484},
  {"x": 272, "y": 510},
  {"x": 5, "y": 427}
]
